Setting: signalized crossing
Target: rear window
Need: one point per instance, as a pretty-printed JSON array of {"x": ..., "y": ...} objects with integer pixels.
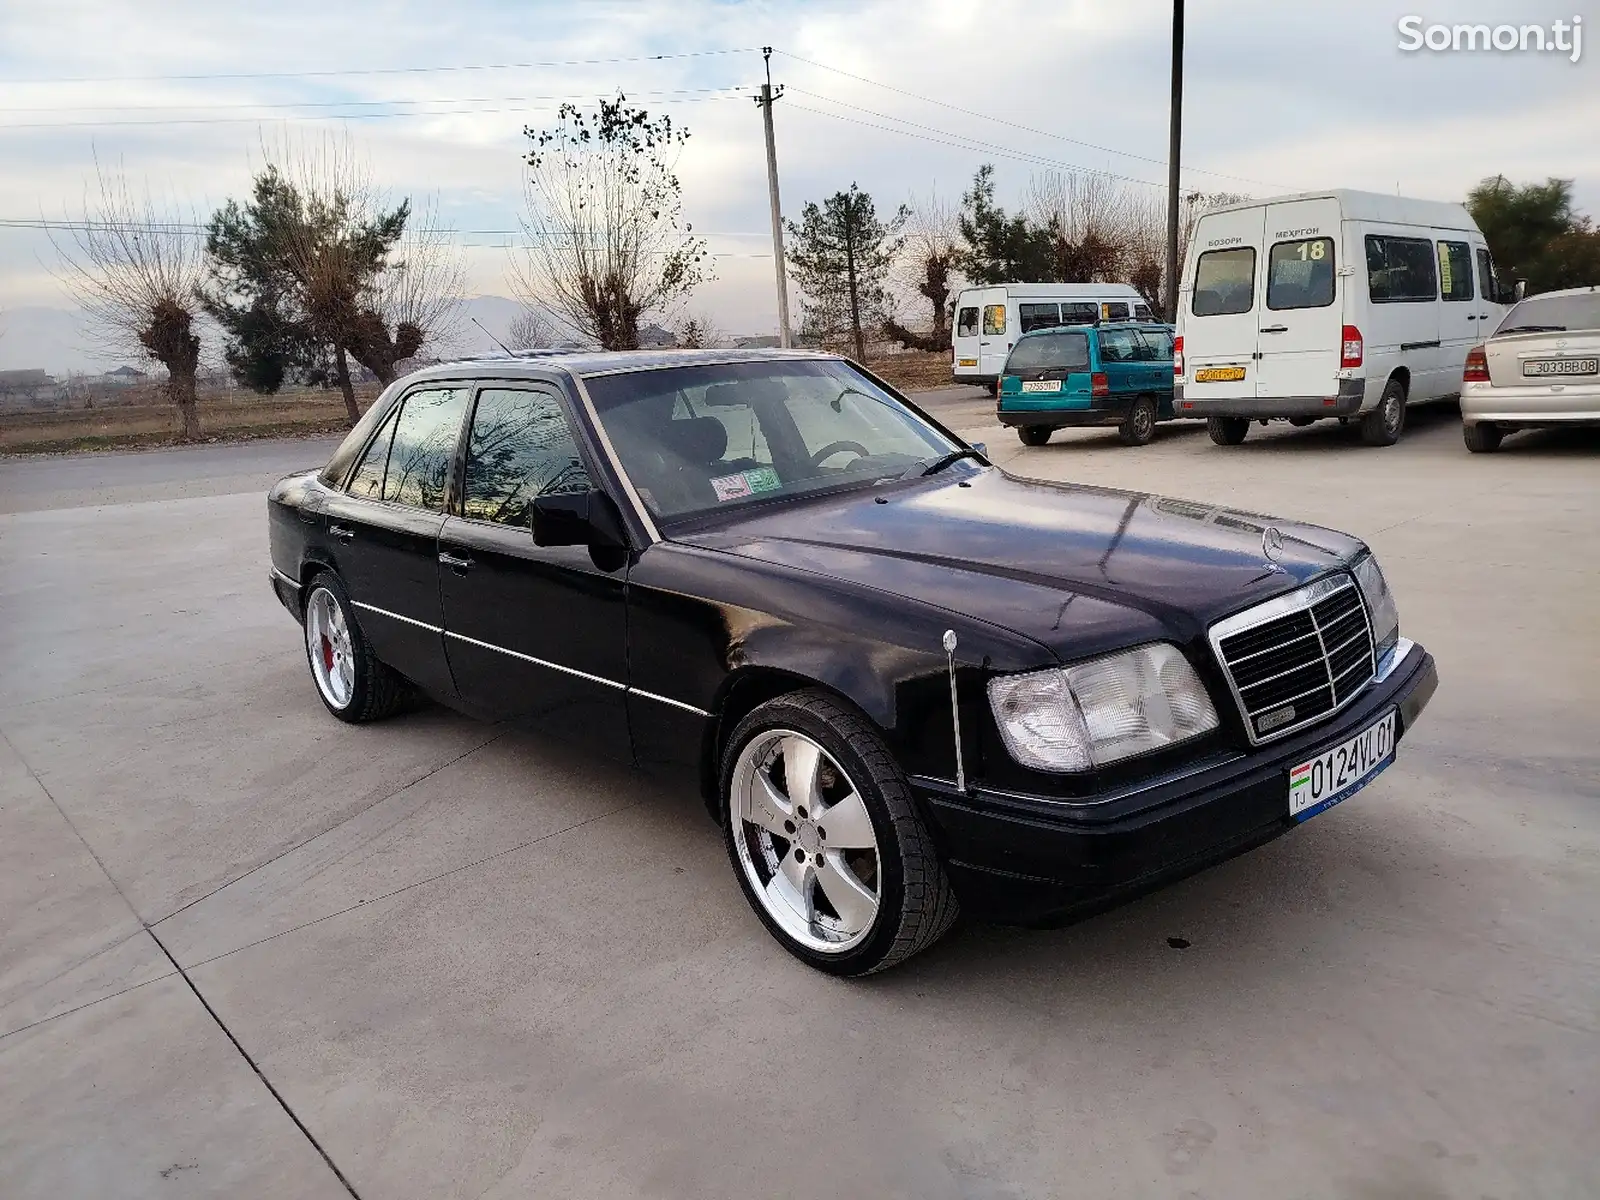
[
  {"x": 1300, "y": 274},
  {"x": 967, "y": 322},
  {"x": 994, "y": 318},
  {"x": 1553, "y": 314},
  {"x": 1046, "y": 351},
  {"x": 1400, "y": 269},
  {"x": 1224, "y": 282}
]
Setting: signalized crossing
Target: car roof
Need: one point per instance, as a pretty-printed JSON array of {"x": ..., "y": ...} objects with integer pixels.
[
  {"x": 588, "y": 363},
  {"x": 1577, "y": 291}
]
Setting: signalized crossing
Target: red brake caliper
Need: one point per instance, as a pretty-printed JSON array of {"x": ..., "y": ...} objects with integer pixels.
[{"x": 327, "y": 653}]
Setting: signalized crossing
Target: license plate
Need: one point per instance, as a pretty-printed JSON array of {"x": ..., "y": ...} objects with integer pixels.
[
  {"x": 1562, "y": 366},
  {"x": 1041, "y": 385},
  {"x": 1341, "y": 771},
  {"x": 966, "y": 362},
  {"x": 1218, "y": 374}
]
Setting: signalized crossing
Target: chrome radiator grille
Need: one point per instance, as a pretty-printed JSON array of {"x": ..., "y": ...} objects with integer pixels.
[{"x": 1298, "y": 658}]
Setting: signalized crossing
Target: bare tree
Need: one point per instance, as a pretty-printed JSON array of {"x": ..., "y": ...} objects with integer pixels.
[
  {"x": 607, "y": 244},
  {"x": 699, "y": 332},
  {"x": 1146, "y": 242},
  {"x": 1086, "y": 219},
  {"x": 139, "y": 275},
  {"x": 530, "y": 331},
  {"x": 927, "y": 268}
]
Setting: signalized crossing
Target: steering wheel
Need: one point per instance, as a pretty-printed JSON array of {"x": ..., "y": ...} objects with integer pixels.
[{"x": 833, "y": 448}]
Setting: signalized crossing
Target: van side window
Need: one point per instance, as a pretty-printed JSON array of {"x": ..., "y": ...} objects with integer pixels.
[
  {"x": 1038, "y": 316},
  {"x": 1455, "y": 270},
  {"x": 1400, "y": 269},
  {"x": 1113, "y": 311},
  {"x": 1224, "y": 282},
  {"x": 1488, "y": 285},
  {"x": 1080, "y": 312},
  {"x": 1142, "y": 312},
  {"x": 967, "y": 322},
  {"x": 994, "y": 318},
  {"x": 1300, "y": 274}
]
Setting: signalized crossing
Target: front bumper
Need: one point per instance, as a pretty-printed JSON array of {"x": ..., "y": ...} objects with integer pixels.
[
  {"x": 1346, "y": 404},
  {"x": 1034, "y": 859}
]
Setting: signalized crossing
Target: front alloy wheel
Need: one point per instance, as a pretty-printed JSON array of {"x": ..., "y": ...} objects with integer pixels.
[{"x": 825, "y": 839}]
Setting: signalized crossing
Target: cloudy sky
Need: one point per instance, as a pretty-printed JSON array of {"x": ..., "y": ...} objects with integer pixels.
[{"x": 1279, "y": 97}]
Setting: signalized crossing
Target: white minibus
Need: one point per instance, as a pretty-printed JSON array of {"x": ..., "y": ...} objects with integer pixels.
[
  {"x": 989, "y": 319},
  {"x": 1330, "y": 304}
]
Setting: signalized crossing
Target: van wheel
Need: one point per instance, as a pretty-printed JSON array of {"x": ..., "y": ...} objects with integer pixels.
[
  {"x": 1227, "y": 431},
  {"x": 1483, "y": 438},
  {"x": 1382, "y": 426},
  {"x": 993, "y": 387},
  {"x": 1034, "y": 435},
  {"x": 1139, "y": 426}
]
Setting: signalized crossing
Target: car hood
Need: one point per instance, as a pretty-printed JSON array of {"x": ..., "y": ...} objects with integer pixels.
[{"x": 1080, "y": 569}]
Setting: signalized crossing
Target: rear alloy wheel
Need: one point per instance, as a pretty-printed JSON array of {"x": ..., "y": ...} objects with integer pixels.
[
  {"x": 1483, "y": 438},
  {"x": 825, "y": 839},
  {"x": 1034, "y": 435},
  {"x": 1227, "y": 431},
  {"x": 1139, "y": 426},
  {"x": 353, "y": 684},
  {"x": 1382, "y": 426}
]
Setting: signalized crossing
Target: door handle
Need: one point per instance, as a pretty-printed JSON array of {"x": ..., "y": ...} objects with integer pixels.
[
  {"x": 1274, "y": 329},
  {"x": 341, "y": 532},
  {"x": 459, "y": 565}
]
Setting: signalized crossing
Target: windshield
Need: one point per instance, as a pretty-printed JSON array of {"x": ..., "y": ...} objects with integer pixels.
[
  {"x": 1069, "y": 351},
  {"x": 1553, "y": 314},
  {"x": 711, "y": 438}
]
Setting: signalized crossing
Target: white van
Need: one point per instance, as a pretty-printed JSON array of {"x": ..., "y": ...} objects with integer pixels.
[
  {"x": 989, "y": 319},
  {"x": 1330, "y": 304}
]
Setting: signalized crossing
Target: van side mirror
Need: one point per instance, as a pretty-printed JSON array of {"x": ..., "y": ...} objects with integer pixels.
[
  {"x": 1519, "y": 290},
  {"x": 587, "y": 518}
]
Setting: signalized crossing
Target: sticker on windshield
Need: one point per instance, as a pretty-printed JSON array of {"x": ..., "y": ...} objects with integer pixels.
[{"x": 746, "y": 483}]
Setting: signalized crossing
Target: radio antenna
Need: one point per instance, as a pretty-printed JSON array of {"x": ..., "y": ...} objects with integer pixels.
[
  {"x": 955, "y": 708},
  {"x": 492, "y": 337}
]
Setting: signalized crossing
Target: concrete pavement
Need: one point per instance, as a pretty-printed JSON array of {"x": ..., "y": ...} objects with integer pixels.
[{"x": 454, "y": 961}]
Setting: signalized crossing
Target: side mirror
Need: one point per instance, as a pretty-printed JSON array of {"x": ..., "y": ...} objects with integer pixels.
[
  {"x": 1519, "y": 290},
  {"x": 981, "y": 447},
  {"x": 587, "y": 518}
]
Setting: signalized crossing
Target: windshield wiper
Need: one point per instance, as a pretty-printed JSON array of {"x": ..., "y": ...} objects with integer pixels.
[{"x": 953, "y": 456}]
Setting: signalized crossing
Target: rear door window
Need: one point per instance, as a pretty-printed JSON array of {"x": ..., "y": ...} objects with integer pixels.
[
  {"x": 994, "y": 319},
  {"x": 1120, "y": 346},
  {"x": 1455, "y": 270},
  {"x": 1157, "y": 345},
  {"x": 1224, "y": 282},
  {"x": 1038, "y": 316},
  {"x": 367, "y": 482},
  {"x": 424, "y": 447},
  {"x": 1300, "y": 274},
  {"x": 1400, "y": 269},
  {"x": 967, "y": 322},
  {"x": 1051, "y": 351}
]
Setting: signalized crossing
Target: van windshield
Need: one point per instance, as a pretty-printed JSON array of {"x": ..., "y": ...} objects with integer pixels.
[
  {"x": 1224, "y": 282},
  {"x": 1050, "y": 351}
]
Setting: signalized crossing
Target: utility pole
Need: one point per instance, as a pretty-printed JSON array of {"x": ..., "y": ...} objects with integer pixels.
[
  {"x": 765, "y": 101},
  {"x": 1174, "y": 140}
]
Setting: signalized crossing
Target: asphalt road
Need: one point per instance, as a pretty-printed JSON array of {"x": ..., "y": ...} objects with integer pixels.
[{"x": 430, "y": 958}]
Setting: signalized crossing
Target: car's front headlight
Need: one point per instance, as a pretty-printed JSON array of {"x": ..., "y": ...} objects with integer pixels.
[
  {"x": 1380, "y": 605},
  {"x": 1103, "y": 710}
]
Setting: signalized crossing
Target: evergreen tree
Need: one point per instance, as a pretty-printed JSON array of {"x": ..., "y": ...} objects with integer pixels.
[{"x": 841, "y": 254}]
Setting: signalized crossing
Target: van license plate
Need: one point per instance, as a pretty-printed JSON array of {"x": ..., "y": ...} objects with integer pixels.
[
  {"x": 1218, "y": 374},
  {"x": 1041, "y": 385},
  {"x": 1341, "y": 771},
  {"x": 1562, "y": 366},
  {"x": 967, "y": 362}
]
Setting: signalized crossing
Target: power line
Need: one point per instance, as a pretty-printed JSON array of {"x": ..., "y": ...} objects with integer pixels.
[
  {"x": 199, "y": 229},
  {"x": 1013, "y": 124},
  {"x": 601, "y": 93},
  {"x": 512, "y": 66}
]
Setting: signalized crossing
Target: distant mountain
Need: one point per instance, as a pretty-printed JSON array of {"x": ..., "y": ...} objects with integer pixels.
[{"x": 59, "y": 340}]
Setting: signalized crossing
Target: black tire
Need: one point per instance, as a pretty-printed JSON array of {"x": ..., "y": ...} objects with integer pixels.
[
  {"x": 377, "y": 690},
  {"x": 1034, "y": 435},
  {"x": 1227, "y": 431},
  {"x": 916, "y": 904},
  {"x": 1139, "y": 426},
  {"x": 1384, "y": 424},
  {"x": 993, "y": 387},
  {"x": 1483, "y": 438}
]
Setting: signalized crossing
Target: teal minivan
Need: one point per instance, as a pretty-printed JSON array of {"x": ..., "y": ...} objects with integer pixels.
[{"x": 1112, "y": 374}]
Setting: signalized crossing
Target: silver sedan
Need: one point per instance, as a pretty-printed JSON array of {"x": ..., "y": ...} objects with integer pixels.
[{"x": 1540, "y": 368}]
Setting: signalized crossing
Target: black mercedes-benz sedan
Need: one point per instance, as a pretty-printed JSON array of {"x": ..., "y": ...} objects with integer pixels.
[{"x": 903, "y": 679}]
